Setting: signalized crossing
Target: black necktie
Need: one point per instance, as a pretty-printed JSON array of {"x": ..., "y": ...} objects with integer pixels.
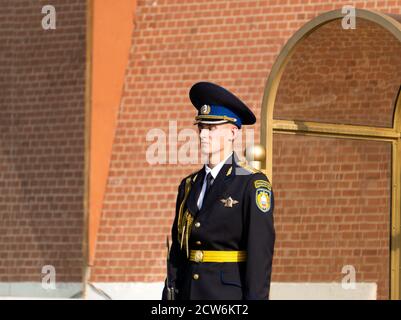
[{"x": 209, "y": 181}]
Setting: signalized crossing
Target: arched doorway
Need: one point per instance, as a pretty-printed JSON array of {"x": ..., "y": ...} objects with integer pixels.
[{"x": 331, "y": 128}]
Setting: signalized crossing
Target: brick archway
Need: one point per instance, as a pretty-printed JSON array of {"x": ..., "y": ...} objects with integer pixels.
[{"x": 357, "y": 135}]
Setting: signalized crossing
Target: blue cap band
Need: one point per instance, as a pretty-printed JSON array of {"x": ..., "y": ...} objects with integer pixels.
[{"x": 218, "y": 111}]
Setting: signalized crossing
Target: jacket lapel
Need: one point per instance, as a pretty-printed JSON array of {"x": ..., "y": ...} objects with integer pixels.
[
  {"x": 192, "y": 201},
  {"x": 220, "y": 184}
]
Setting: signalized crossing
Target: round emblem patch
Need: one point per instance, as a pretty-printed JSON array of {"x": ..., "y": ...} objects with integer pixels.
[{"x": 263, "y": 199}]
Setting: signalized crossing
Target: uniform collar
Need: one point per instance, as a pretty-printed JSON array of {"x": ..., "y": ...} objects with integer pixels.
[
  {"x": 224, "y": 175},
  {"x": 215, "y": 171}
]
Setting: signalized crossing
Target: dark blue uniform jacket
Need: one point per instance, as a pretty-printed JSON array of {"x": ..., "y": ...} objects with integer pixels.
[{"x": 245, "y": 224}]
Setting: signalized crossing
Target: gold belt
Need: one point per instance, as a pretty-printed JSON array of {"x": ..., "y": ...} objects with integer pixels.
[{"x": 217, "y": 256}]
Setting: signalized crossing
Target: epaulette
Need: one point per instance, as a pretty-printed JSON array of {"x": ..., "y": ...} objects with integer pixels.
[
  {"x": 192, "y": 176},
  {"x": 246, "y": 166}
]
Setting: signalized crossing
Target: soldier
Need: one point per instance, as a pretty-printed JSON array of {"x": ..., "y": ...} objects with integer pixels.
[{"x": 223, "y": 232}]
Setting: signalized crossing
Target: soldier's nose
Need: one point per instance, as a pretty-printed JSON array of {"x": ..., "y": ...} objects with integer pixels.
[{"x": 204, "y": 133}]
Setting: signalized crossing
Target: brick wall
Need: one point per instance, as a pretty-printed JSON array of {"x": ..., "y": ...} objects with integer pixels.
[
  {"x": 333, "y": 209},
  {"x": 347, "y": 77},
  {"x": 175, "y": 44},
  {"x": 41, "y": 140}
]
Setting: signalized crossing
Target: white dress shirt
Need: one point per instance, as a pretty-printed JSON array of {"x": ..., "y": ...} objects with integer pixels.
[{"x": 214, "y": 172}]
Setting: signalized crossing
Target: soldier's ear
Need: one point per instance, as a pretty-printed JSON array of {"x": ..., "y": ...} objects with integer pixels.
[{"x": 235, "y": 132}]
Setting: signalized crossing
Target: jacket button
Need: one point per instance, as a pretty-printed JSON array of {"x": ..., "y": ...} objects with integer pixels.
[
  {"x": 198, "y": 243},
  {"x": 195, "y": 276},
  {"x": 197, "y": 224}
]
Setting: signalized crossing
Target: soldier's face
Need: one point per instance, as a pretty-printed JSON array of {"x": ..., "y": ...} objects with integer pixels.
[{"x": 215, "y": 138}]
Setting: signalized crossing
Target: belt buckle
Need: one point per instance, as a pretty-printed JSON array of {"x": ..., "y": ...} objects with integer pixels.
[{"x": 198, "y": 256}]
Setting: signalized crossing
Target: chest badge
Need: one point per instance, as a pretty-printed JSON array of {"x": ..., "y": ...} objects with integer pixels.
[{"x": 229, "y": 202}]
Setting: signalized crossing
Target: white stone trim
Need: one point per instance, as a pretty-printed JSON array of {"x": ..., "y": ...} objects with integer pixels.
[
  {"x": 34, "y": 290},
  {"x": 153, "y": 291},
  {"x": 322, "y": 291},
  {"x": 278, "y": 291}
]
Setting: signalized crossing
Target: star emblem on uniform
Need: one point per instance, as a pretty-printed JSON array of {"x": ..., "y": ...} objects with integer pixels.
[{"x": 229, "y": 202}]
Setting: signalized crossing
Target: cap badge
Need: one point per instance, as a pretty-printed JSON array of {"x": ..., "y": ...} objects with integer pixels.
[{"x": 205, "y": 109}]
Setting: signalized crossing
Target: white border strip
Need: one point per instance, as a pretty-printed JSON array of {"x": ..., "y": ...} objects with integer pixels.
[
  {"x": 278, "y": 291},
  {"x": 35, "y": 290},
  {"x": 153, "y": 291}
]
